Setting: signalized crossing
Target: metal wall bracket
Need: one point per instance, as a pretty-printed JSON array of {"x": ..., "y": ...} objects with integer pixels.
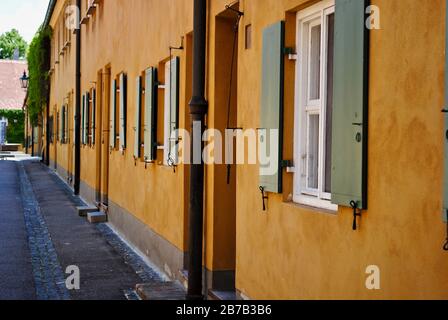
[
  {"x": 264, "y": 197},
  {"x": 445, "y": 247},
  {"x": 229, "y": 7},
  {"x": 356, "y": 213}
]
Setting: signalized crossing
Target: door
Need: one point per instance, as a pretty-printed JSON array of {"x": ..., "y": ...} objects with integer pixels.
[
  {"x": 97, "y": 129},
  {"x": 103, "y": 124}
]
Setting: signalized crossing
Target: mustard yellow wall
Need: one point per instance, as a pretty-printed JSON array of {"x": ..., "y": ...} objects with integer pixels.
[
  {"x": 62, "y": 85},
  {"x": 220, "y": 198},
  {"x": 131, "y": 36},
  {"x": 289, "y": 251},
  {"x": 298, "y": 253}
]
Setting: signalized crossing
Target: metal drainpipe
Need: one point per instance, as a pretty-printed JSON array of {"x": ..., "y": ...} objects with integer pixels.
[
  {"x": 32, "y": 140},
  {"x": 26, "y": 130},
  {"x": 198, "y": 110},
  {"x": 77, "y": 181},
  {"x": 47, "y": 136}
]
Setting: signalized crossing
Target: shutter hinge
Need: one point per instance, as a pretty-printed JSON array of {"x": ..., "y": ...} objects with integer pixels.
[
  {"x": 287, "y": 163},
  {"x": 356, "y": 213},
  {"x": 292, "y": 55},
  {"x": 264, "y": 197},
  {"x": 445, "y": 247}
]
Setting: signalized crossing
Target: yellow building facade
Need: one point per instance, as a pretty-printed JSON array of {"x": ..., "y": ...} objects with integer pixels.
[{"x": 302, "y": 246}]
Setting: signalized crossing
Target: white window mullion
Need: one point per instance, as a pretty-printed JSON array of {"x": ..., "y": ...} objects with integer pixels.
[
  {"x": 323, "y": 100},
  {"x": 324, "y": 195},
  {"x": 311, "y": 114},
  {"x": 167, "y": 111}
]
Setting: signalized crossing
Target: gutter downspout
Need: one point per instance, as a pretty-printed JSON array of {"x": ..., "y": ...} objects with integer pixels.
[
  {"x": 198, "y": 110},
  {"x": 27, "y": 142},
  {"x": 77, "y": 181},
  {"x": 50, "y": 10},
  {"x": 32, "y": 140},
  {"x": 47, "y": 130}
]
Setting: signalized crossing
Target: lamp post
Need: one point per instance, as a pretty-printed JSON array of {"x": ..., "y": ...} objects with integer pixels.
[{"x": 24, "y": 80}]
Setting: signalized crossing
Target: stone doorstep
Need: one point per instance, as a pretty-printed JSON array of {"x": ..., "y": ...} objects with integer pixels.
[
  {"x": 96, "y": 217},
  {"x": 222, "y": 295},
  {"x": 160, "y": 291},
  {"x": 184, "y": 278},
  {"x": 212, "y": 294},
  {"x": 83, "y": 211}
]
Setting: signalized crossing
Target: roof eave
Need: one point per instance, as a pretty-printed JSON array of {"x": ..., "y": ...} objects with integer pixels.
[{"x": 50, "y": 10}]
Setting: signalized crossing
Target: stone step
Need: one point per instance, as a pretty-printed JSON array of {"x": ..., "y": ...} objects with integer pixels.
[
  {"x": 222, "y": 295},
  {"x": 184, "y": 278},
  {"x": 83, "y": 211},
  {"x": 161, "y": 291},
  {"x": 96, "y": 217}
]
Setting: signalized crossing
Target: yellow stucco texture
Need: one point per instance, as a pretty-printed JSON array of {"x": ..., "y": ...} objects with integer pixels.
[
  {"x": 297, "y": 253},
  {"x": 289, "y": 251}
]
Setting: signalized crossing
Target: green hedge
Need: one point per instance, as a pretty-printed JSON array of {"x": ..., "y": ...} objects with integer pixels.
[
  {"x": 38, "y": 65},
  {"x": 16, "y": 125}
]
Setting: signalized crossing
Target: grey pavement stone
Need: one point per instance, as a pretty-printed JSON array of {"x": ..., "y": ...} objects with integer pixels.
[
  {"x": 41, "y": 234},
  {"x": 48, "y": 275},
  {"x": 106, "y": 273},
  {"x": 16, "y": 271}
]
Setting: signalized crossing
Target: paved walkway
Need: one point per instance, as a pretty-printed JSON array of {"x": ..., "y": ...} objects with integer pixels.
[
  {"x": 16, "y": 272},
  {"x": 41, "y": 235}
]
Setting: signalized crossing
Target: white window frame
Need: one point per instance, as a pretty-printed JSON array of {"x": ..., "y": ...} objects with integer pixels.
[
  {"x": 307, "y": 18},
  {"x": 167, "y": 113}
]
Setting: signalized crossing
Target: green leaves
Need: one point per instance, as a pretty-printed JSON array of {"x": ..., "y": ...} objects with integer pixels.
[
  {"x": 39, "y": 66},
  {"x": 16, "y": 124},
  {"x": 9, "y": 42}
]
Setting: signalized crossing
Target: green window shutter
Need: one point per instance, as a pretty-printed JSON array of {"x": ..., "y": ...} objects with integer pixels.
[
  {"x": 123, "y": 109},
  {"x": 61, "y": 126},
  {"x": 66, "y": 138},
  {"x": 174, "y": 108},
  {"x": 63, "y": 123},
  {"x": 58, "y": 136},
  {"x": 445, "y": 133},
  {"x": 83, "y": 119},
  {"x": 93, "y": 125},
  {"x": 271, "y": 109},
  {"x": 113, "y": 114},
  {"x": 138, "y": 113},
  {"x": 150, "y": 115},
  {"x": 349, "y": 151},
  {"x": 87, "y": 121}
]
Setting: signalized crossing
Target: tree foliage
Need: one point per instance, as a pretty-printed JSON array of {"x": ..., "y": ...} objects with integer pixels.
[
  {"x": 16, "y": 125},
  {"x": 39, "y": 66},
  {"x": 9, "y": 42}
]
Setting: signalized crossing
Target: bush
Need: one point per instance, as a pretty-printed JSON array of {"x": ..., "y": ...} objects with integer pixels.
[{"x": 16, "y": 125}]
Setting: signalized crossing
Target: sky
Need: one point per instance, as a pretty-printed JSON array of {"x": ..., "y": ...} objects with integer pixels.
[{"x": 23, "y": 15}]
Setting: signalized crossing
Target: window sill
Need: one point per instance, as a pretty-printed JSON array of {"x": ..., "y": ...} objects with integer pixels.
[
  {"x": 316, "y": 204},
  {"x": 314, "y": 210}
]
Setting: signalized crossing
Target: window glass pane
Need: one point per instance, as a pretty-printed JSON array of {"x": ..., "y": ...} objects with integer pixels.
[
  {"x": 329, "y": 105},
  {"x": 315, "y": 49},
  {"x": 313, "y": 151}
]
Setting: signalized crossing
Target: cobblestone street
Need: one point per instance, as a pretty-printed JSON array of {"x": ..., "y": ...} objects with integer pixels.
[{"x": 41, "y": 235}]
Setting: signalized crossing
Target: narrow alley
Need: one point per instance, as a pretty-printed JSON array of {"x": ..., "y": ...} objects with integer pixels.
[{"x": 41, "y": 235}]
